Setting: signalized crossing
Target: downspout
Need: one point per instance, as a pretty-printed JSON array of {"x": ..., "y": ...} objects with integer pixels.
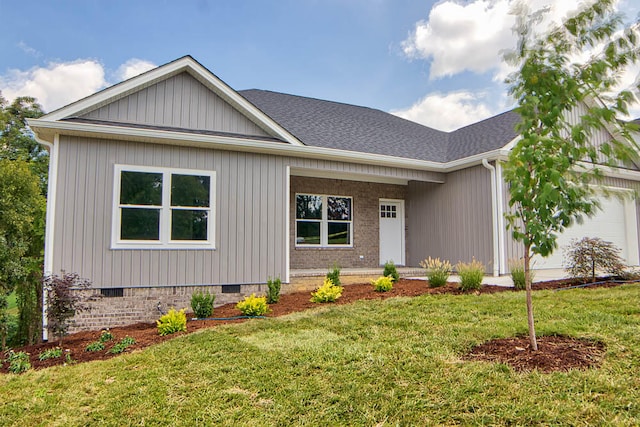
[
  {"x": 500, "y": 213},
  {"x": 494, "y": 217},
  {"x": 49, "y": 222}
]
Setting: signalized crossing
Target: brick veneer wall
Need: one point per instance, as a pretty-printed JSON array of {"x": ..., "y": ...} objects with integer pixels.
[
  {"x": 141, "y": 304},
  {"x": 365, "y": 222}
]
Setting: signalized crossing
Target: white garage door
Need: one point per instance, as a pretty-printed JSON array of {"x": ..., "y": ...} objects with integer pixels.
[{"x": 615, "y": 222}]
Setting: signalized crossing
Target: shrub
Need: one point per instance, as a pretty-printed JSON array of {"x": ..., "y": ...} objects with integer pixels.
[
  {"x": 328, "y": 292},
  {"x": 50, "y": 353},
  {"x": 516, "y": 266},
  {"x": 253, "y": 305},
  {"x": 471, "y": 274},
  {"x": 334, "y": 275},
  {"x": 273, "y": 292},
  {"x": 18, "y": 362},
  {"x": 64, "y": 301},
  {"x": 105, "y": 336},
  {"x": 589, "y": 255},
  {"x": 95, "y": 346},
  {"x": 123, "y": 345},
  {"x": 390, "y": 270},
  {"x": 437, "y": 271},
  {"x": 172, "y": 322},
  {"x": 202, "y": 304},
  {"x": 383, "y": 283}
]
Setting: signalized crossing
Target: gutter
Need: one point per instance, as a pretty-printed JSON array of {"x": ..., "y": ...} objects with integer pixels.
[
  {"x": 494, "y": 217},
  {"x": 47, "y": 129},
  {"x": 49, "y": 223}
]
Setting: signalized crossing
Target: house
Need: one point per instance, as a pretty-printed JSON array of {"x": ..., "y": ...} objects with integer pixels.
[{"x": 172, "y": 181}]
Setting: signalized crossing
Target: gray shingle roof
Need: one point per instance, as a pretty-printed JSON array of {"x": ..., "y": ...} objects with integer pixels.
[{"x": 330, "y": 124}]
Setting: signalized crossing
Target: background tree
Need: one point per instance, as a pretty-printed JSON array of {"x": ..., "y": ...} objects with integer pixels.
[
  {"x": 556, "y": 158},
  {"x": 23, "y": 185}
]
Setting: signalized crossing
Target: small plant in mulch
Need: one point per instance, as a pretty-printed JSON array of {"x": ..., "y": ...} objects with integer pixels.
[
  {"x": 202, "y": 304},
  {"x": 273, "y": 290},
  {"x": 124, "y": 343},
  {"x": 105, "y": 336},
  {"x": 50, "y": 353},
  {"x": 328, "y": 292},
  {"x": 95, "y": 346},
  {"x": 471, "y": 275},
  {"x": 172, "y": 322},
  {"x": 437, "y": 271},
  {"x": 64, "y": 299},
  {"x": 587, "y": 256},
  {"x": 334, "y": 275},
  {"x": 18, "y": 361},
  {"x": 253, "y": 305},
  {"x": 382, "y": 284},
  {"x": 391, "y": 270}
]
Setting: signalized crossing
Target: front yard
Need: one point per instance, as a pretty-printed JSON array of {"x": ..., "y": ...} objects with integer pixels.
[{"x": 397, "y": 361}]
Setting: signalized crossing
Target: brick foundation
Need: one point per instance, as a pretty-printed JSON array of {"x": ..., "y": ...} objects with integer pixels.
[{"x": 141, "y": 304}]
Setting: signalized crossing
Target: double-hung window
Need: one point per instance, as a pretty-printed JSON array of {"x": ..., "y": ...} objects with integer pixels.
[
  {"x": 324, "y": 221},
  {"x": 163, "y": 208}
]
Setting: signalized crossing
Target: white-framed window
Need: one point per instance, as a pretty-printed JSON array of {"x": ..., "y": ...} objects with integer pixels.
[
  {"x": 324, "y": 221},
  {"x": 163, "y": 208}
]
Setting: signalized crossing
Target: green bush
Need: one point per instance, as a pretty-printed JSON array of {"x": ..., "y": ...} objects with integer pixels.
[
  {"x": 123, "y": 344},
  {"x": 390, "y": 270},
  {"x": 383, "y": 283},
  {"x": 334, "y": 275},
  {"x": 50, "y": 353},
  {"x": 471, "y": 274},
  {"x": 437, "y": 271},
  {"x": 18, "y": 362},
  {"x": 95, "y": 346},
  {"x": 273, "y": 292},
  {"x": 516, "y": 266},
  {"x": 253, "y": 305},
  {"x": 588, "y": 256},
  {"x": 202, "y": 304},
  {"x": 172, "y": 322},
  {"x": 328, "y": 292}
]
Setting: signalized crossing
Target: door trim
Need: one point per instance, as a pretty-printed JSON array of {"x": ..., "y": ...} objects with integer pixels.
[{"x": 402, "y": 235}]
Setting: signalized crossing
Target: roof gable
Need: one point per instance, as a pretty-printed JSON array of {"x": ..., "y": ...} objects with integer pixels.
[
  {"x": 185, "y": 69},
  {"x": 179, "y": 101}
]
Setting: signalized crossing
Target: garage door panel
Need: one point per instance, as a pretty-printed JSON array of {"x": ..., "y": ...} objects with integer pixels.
[{"x": 615, "y": 222}]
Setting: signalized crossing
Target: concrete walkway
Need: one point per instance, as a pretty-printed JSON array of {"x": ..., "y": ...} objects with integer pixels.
[{"x": 418, "y": 273}]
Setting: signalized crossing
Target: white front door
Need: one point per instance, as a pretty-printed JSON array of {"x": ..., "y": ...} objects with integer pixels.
[{"x": 391, "y": 216}]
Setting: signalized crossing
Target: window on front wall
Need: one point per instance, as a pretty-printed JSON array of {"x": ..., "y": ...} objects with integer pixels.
[
  {"x": 163, "y": 208},
  {"x": 323, "y": 220}
]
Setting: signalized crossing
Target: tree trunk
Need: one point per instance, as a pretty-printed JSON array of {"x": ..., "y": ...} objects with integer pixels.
[{"x": 527, "y": 278}]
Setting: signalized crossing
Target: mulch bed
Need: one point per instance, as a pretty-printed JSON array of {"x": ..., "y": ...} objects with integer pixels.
[{"x": 552, "y": 354}]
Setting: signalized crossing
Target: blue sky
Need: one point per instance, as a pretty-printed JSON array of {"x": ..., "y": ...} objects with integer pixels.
[{"x": 436, "y": 62}]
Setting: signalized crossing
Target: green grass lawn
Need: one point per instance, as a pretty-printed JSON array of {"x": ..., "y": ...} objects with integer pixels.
[{"x": 392, "y": 362}]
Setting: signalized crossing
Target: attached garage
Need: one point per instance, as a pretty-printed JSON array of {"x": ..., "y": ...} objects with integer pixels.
[{"x": 616, "y": 222}]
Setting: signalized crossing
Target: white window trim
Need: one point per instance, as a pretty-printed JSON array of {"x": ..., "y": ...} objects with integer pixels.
[
  {"x": 165, "y": 211},
  {"x": 324, "y": 223}
]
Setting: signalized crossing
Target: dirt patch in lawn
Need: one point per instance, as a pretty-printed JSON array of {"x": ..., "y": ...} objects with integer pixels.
[{"x": 146, "y": 334}]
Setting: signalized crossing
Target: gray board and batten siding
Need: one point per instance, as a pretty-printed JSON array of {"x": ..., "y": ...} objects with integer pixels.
[
  {"x": 180, "y": 102},
  {"x": 251, "y": 203},
  {"x": 451, "y": 221}
]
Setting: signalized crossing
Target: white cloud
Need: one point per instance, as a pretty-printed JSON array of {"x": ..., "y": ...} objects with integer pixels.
[
  {"x": 133, "y": 67},
  {"x": 449, "y": 111},
  {"x": 60, "y": 83},
  {"x": 471, "y": 36}
]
